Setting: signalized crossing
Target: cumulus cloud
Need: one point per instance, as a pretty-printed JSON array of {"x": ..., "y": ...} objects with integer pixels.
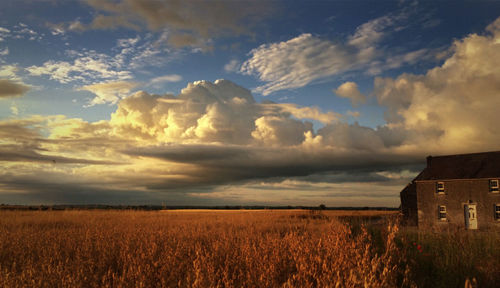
[
  {"x": 350, "y": 91},
  {"x": 220, "y": 112},
  {"x": 213, "y": 139},
  {"x": 9, "y": 88},
  {"x": 203, "y": 111},
  {"x": 109, "y": 92},
  {"x": 9, "y": 72},
  {"x": 452, "y": 107},
  {"x": 210, "y": 134}
]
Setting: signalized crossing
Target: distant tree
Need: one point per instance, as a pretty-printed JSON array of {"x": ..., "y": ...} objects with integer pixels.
[{"x": 322, "y": 207}]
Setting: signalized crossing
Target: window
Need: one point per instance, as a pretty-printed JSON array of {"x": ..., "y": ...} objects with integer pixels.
[
  {"x": 494, "y": 186},
  {"x": 497, "y": 212},
  {"x": 442, "y": 212},
  {"x": 440, "y": 187}
]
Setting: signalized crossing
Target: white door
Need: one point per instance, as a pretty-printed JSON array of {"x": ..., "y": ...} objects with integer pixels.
[{"x": 470, "y": 214}]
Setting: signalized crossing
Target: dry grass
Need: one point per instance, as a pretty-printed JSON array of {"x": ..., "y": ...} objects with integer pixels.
[{"x": 196, "y": 249}]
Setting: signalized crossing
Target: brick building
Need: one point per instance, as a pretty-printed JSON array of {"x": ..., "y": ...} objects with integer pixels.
[{"x": 455, "y": 191}]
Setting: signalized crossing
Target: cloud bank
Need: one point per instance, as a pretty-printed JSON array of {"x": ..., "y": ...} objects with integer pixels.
[{"x": 214, "y": 142}]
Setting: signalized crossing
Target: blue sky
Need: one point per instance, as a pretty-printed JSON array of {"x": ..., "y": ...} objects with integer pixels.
[{"x": 324, "y": 83}]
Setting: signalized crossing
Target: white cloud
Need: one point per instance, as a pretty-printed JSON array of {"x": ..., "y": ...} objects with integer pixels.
[
  {"x": 109, "y": 92},
  {"x": 89, "y": 66},
  {"x": 4, "y": 33},
  {"x": 150, "y": 55},
  {"x": 203, "y": 111},
  {"x": 232, "y": 66},
  {"x": 350, "y": 91},
  {"x": 129, "y": 55},
  {"x": 14, "y": 109},
  {"x": 55, "y": 30},
  {"x": 166, "y": 78},
  {"x": 308, "y": 58},
  {"x": 279, "y": 131},
  {"x": 106, "y": 75},
  {"x": 4, "y": 52},
  {"x": 371, "y": 32},
  {"x": 86, "y": 67},
  {"x": 22, "y": 31},
  {"x": 451, "y": 108},
  {"x": 128, "y": 42},
  {"x": 9, "y": 72},
  {"x": 76, "y": 26},
  {"x": 297, "y": 62}
]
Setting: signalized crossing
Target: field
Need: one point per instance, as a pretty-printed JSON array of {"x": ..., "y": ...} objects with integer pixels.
[{"x": 237, "y": 249}]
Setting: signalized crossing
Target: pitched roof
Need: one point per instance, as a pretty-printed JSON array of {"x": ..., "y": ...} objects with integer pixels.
[{"x": 463, "y": 166}]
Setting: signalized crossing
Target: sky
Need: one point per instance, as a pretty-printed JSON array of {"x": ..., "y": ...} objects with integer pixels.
[{"x": 240, "y": 102}]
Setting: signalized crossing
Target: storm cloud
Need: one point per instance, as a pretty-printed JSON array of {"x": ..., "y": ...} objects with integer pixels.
[{"x": 215, "y": 141}]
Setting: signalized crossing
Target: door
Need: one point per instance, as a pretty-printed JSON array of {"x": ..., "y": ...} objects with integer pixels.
[{"x": 470, "y": 214}]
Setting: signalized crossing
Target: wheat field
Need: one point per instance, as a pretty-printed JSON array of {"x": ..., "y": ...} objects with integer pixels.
[
  {"x": 204, "y": 249},
  {"x": 189, "y": 249}
]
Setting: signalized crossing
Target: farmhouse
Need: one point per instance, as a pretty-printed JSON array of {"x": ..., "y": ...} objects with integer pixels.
[{"x": 455, "y": 191}]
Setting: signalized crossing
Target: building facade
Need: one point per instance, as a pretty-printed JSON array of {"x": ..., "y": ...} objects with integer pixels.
[{"x": 455, "y": 191}]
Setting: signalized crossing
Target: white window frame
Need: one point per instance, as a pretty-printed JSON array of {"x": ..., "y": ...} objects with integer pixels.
[
  {"x": 494, "y": 186},
  {"x": 442, "y": 213},
  {"x": 440, "y": 190},
  {"x": 497, "y": 211}
]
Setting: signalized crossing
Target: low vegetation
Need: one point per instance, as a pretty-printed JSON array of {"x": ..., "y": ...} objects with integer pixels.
[{"x": 234, "y": 249}]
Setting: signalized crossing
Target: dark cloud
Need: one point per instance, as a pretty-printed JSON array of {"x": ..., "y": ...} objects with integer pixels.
[
  {"x": 21, "y": 154},
  {"x": 217, "y": 164},
  {"x": 187, "y": 21},
  {"x": 33, "y": 190},
  {"x": 9, "y": 88},
  {"x": 23, "y": 141},
  {"x": 47, "y": 188},
  {"x": 19, "y": 130}
]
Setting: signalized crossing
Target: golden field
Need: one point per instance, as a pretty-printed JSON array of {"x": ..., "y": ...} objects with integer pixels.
[{"x": 208, "y": 249}]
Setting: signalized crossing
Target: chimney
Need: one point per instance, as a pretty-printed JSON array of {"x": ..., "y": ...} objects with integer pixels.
[{"x": 429, "y": 159}]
